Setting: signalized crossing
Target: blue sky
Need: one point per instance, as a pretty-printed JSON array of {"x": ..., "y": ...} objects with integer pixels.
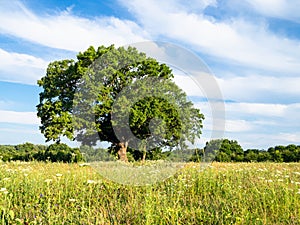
[{"x": 252, "y": 47}]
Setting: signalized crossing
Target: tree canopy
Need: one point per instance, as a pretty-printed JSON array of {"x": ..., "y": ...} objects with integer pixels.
[{"x": 117, "y": 95}]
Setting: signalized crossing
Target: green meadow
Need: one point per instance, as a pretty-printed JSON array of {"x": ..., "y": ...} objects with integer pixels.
[{"x": 221, "y": 193}]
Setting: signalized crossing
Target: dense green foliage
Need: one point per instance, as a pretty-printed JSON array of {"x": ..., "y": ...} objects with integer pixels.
[
  {"x": 216, "y": 150},
  {"x": 224, "y": 150},
  {"x": 79, "y": 98},
  {"x": 29, "y": 152},
  {"x": 223, "y": 193}
]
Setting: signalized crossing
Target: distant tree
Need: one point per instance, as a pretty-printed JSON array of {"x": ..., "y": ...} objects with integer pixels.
[
  {"x": 197, "y": 155},
  {"x": 276, "y": 153},
  {"x": 7, "y": 152},
  {"x": 223, "y": 157},
  {"x": 25, "y": 152},
  {"x": 232, "y": 149},
  {"x": 91, "y": 154},
  {"x": 289, "y": 154},
  {"x": 211, "y": 150},
  {"x": 223, "y": 150},
  {"x": 60, "y": 152},
  {"x": 263, "y": 156},
  {"x": 237, "y": 152},
  {"x": 251, "y": 155},
  {"x": 297, "y": 153},
  {"x": 158, "y": 154}
]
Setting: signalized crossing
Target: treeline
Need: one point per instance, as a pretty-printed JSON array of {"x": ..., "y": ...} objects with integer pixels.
[
  {"x": 222, "y": 150},
  {"x": 29, "y": 152},
  {"x": 60, "y": 152}
]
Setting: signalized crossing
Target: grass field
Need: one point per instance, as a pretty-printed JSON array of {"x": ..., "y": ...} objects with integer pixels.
[{"x": 53, "y": 193}]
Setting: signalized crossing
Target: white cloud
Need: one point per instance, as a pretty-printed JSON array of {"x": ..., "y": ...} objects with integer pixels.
[
  {"x": 231, "y": 125},
  {"x": 20, "y": 134},
  {"x": 175, "y": 5},
  {"x": 272, "y": 116},
  {"x": 8, "y": 58},
  {"x": 253, "y": 88},
  {"x": 289, "y": 137},
  {"x": 256, "y": 109},
  {"x": 259, "y": 88},
  {"x": 286, "y": 9},
  {"x": 22, "y": 68},
  {"x": 187, "y": 84},
  {"x": 66, "y": 31},
  {"x": 238, "y": 126},
  {"x": 20, "y": 131},
  {"x": 264, "y": 119},
  {"x": 19, "y": 117},
  {"x": 238, "y": 41}
]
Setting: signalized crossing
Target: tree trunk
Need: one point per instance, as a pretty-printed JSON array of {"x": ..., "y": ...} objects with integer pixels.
[
  {"x": 144, "y": 154},
  {"x": 122, "y": 152}
]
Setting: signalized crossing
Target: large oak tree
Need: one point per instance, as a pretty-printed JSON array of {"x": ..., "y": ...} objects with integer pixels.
[{"x": 89, "y": 99}]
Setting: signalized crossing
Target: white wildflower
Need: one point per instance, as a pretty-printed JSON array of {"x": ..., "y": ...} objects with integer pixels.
[
  {"x": 84, "y": 164},
  {"x": 48, "y": 181},
  {"x": 91, "y": 181}
]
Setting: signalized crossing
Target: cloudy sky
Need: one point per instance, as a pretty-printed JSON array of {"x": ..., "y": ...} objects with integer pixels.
[{"x": 251, "y": 47}]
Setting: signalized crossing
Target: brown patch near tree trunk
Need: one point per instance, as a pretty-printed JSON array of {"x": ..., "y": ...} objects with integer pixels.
[{"x": 122, "y": 152}]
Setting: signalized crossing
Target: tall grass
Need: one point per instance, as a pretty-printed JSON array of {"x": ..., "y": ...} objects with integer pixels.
[{"x": 54, "y": 193}]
